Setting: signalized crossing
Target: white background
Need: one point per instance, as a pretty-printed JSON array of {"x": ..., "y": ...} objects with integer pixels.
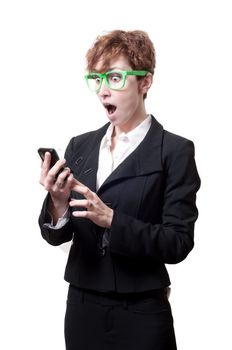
[{"x": 44, "y": 102}]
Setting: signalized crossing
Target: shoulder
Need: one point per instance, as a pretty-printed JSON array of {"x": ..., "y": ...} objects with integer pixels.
[
  {"x": 174, "y": 148},
  {"x": 173, "y": 143},
  {"x": 173, "y": 140},
  {"x": 178, "y": 153},
  {"x": 170, "y": 143}
]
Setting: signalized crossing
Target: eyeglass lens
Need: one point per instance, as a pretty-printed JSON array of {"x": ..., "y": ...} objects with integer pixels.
[{"x": 115, "y": 80}]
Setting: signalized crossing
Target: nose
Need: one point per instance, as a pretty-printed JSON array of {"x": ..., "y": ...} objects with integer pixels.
[{"x": 104, "y": 90}]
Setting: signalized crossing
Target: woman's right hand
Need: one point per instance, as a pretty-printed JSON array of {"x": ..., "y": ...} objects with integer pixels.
[{"x": 59, "y": 188}]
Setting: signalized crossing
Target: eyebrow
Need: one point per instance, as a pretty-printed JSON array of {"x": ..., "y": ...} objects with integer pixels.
[
  {"x": 109, "y": 69},
  {"x": 117, "y": 68}
]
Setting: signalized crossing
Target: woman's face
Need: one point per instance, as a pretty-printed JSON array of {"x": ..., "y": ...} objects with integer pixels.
[{"x": 124, "y": 108}]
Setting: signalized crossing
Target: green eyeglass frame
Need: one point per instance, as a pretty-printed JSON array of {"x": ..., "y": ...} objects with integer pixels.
[{"x": 97, "y": 78}]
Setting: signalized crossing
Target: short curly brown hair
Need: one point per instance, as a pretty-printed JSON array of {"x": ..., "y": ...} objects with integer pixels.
[{"x": 135, "y": 45}]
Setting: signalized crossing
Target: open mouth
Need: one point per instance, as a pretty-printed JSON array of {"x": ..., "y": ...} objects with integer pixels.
[{"x": 110, "y": 108}]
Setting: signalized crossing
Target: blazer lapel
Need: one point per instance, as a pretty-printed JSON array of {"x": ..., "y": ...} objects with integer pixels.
[
  {"x": 86, "y": 165},
  {"x": 145, "y": 159}
]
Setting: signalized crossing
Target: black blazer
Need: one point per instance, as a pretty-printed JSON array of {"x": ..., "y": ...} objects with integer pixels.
[{"x": 152, "y": 192}]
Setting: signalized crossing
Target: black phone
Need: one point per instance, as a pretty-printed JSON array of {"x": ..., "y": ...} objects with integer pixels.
[{"x": 54, "y": 157}]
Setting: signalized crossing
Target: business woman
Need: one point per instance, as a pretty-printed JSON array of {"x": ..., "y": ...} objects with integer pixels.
[{"x": 127, "y": 201}]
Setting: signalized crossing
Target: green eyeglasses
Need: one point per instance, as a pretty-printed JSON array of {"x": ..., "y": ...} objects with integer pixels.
[{"x": 115, "y": 79}]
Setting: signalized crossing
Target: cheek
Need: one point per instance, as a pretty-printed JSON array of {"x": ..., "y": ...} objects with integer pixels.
[
  {"x": 131, "y": 105},
  {"x": 125, "y": 108},
  {"x": 129, "y": 101}
]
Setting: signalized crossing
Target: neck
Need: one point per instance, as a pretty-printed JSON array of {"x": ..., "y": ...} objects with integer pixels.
[{"x": 130, "y": 124}]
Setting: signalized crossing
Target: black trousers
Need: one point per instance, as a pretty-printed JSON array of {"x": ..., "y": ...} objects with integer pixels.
[{"x": 118, "y": 322}]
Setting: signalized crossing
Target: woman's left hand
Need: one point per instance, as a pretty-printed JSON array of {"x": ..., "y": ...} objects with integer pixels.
[{"x": 96, "y": 210}]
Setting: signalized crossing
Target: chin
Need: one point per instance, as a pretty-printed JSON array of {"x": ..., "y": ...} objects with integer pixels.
[
  {"x": 112, "y": 118},
  {"x": 115, "y": 121}
]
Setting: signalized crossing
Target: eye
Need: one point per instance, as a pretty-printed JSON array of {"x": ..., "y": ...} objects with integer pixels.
[
  {"x": 114, "y": 77},
  {"x": 95, "y": 78}
]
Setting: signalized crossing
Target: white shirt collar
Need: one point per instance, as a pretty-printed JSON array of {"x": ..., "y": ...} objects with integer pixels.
[{"x": 134, "y": 136}]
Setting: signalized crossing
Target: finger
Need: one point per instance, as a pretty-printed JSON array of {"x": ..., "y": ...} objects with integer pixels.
[
  {"x": 51, "y": 175},
  {"x": 81, "y": 214},
  {"x": 68, "y": 181},
  {"x": 63, "y": 175},
  {"x": 45, "y": 165},
  {"x": 57, "y": 167},
  {"x": 48, "y": 175},
  {"x": 61, "y": 180},
  {"x": 84, "y": 190},
  {"x": 80, "y": 203},
  {"x": 64, "y": 180},
  {"x": 76, "y": 182},
  {"x": 59, "y": 184}
]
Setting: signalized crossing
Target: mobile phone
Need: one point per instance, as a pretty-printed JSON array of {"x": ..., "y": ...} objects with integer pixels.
[{"x": 54, "y": 157}]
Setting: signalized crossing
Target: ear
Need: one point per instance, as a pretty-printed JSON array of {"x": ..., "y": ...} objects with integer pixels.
[{"x": 145, "y": 83}]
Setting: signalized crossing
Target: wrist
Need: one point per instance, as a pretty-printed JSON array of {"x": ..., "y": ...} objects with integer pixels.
[{"x": 57, "y": 208}]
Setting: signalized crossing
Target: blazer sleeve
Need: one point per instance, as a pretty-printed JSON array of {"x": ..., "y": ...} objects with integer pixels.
[
  {"x": 53, "y": 236},
  {"x": 65, "y": 233},
  {"x": 171, "y": 240}
]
